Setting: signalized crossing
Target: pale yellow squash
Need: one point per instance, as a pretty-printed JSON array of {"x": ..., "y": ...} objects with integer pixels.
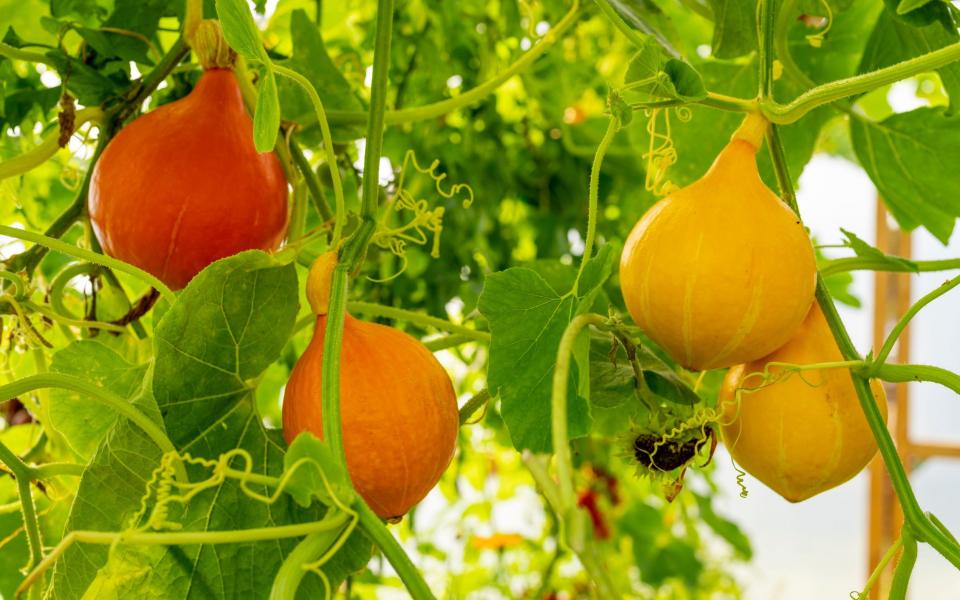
[
  {"x": 720, "y": 272},
  {"x": 806, "y": 432}
]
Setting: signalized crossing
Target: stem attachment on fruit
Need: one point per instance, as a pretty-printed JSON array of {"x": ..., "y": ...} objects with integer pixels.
[
  {"x": 318, "y": 282},
  {"x": 752, "y": 130},
  {"x": 212, "y": 50}
]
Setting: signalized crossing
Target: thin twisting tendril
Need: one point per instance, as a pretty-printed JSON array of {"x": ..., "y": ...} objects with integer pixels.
[
  {"x": 661, "y": 154},
  {"x": 426, "y": 221},
  {"x": 163, "y": 482}
]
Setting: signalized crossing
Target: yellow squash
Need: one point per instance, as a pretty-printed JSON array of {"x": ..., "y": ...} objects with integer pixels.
[
  {"x": 720, "y": 272},
  {"x": 805, "y": 433}
]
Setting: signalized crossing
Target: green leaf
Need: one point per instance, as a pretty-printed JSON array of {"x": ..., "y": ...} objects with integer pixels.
[
  {"x": 598, "y": 270},
  {"x": 906, "y": 6},
  {"x": 665, "y": 77},
  {"x": 240, "y": 31},
  {"x": 685, "y": 80},
  {"x": 527, "y": 319},
  {"x": 266, "y": 118},
  {"x": 926, "y": 14},
  {"x": 664, "y": 381},
  {"x": 911, "y": 158},
  {"x": 227, "y": 326},
  {"x": 81, "y": 421},
  {"x": 314, "y": 480},
  {"x": 865, "y": 250},
  {"x": 735, "y": 27},
  {"x": 310, "y": 59},
  {"x": 895, "y": 39}
]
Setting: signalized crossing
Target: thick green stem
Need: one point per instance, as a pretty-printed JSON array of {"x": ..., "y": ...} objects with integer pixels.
[
  {"x": 919, "y": 524},
  {"x": 331, "y": 156},
  {"x": 593, "y": 196},
  {"x": 291, "y": 572},
  {"x": 310, "y": 178},
  {"x": 448, "y": 341},
  {"x": 25, "y": 55},
  {"x": 56, "y": 470},
  {"x": 96, "y": 393},
  {"x": 860, "y": 263},
  {"x": 401, "y": 563},
  {"x": 905, "y": 319},
  {"x": 330, "y": 367},
  {"x": 87, "y": 255},
  {"x": 473, "y": 405},
  {"x": 378, "y": 102},
  {"x": 30, "y": 524},
  {"x": 558, "y": 407},
  {"x": 765, "y": 27},
  {"x": 174, "y": 538},
  {"x": 907, "y": 373},
  {"x": 472, "y": 96},
  {"x": 908, "y": 559},
  {"x": 399, "y": 314},
  {"x": 859, "y": 84},
  {"x": 781, "y": 44}
]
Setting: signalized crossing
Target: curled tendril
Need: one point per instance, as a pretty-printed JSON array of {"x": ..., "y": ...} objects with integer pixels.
[
  {"x": 163, "y": 484},
  {"x": 27, "y": 334},
  {"x": 661, "y": 154},
  {"x": 741, "y": 476},
  {"x": 816, "y": 39},
  {"x": 427, "y": 221}
]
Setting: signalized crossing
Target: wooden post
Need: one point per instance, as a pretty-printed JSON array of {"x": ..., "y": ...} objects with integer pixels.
[{"x": 891, "y": 299}]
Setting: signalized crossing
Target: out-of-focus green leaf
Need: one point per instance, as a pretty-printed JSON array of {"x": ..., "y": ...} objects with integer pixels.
[
  {"x": 527, "y": 319},
  {"x": 911, "y": 158},
  {"x": 735, "y": 27}
]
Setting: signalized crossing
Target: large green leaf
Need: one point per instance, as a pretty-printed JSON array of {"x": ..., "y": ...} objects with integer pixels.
[
  {"x": 81, "y": 421},
  {"x": 911, "y": 158},
  {"x": 735, "y": 27},
  {"x": 527, "y": 319},
  {"x": 310, "y": 59}
]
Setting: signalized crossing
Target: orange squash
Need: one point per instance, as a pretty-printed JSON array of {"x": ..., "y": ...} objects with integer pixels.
[
  {"x": 183, "y": 186},
  {"x": 398, "y": 407},
  {"x": 720, "y": 272},
  {"x": 805, "y": 433}
]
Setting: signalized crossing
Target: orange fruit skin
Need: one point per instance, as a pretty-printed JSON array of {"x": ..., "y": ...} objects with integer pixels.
[
  {"x": 183, "y": 186},
  {"x": 804, "y": 434},
  {"x": 720, "y": 272},
  {"x": 398, "y": 409}
]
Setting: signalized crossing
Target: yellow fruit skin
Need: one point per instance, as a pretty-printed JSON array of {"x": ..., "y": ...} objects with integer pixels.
[
  {"x": 804, "y": 434},
  {"x": 720, "y": 272}
]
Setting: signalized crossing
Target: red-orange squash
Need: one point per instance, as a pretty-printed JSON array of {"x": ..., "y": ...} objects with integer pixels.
[
  {"x": 398, "y": 407},
  {"x": 183, "y": 186}
]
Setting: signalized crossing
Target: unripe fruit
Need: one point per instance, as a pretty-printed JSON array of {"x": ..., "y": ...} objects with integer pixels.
[
  {"x": 183, "y": 186},
  {"x": 398, "y": 407},
  {"x": 805, "y": 433},
  {"x": 720, "y": 272}
]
